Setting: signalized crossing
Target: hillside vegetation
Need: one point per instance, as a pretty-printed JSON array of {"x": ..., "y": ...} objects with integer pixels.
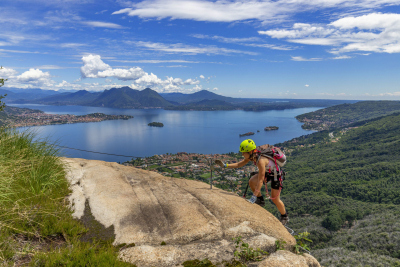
[
  {"x": 346, "y": 193},
  {"x": 36, "y": 226},
  {"x": 342, "y": 115}
]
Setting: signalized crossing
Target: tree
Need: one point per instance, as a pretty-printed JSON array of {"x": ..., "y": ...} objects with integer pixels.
[
  {"x": 2, "y": 105},
  {"x": 333, "y": 221}
]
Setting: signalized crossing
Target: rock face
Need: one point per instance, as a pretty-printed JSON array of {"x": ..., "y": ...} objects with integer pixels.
[{"x": 146, "y": 208}]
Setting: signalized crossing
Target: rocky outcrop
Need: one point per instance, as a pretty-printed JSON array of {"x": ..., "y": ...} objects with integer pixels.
[{"x": 147, "y": 209}]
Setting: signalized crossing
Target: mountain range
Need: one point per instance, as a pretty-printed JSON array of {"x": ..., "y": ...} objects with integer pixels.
[{"x": 126, "y": 97}]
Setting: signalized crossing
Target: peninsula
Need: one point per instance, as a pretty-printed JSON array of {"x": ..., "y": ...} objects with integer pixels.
[{"x": 25, "y": 117}]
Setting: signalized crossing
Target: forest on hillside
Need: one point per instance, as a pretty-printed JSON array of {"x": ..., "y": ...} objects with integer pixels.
[
  {"x": 345, "y": 114},
  {"x": 344, "y": 188}
]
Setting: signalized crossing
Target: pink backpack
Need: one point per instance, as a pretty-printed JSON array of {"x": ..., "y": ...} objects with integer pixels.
[{"x": 273, "y": 153}]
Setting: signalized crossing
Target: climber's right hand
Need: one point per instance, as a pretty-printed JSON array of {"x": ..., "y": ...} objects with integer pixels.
[{"x": 221, "y": 164}]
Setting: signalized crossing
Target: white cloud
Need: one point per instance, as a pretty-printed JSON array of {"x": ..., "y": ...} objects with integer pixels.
[
  {"x": 270, "y": 46},
  {"x": 71, "y": 45},
  {"x": 33, "y": 75},
  {"x": 18, "y": 51},
  {"x": 7, "y": 72},
  {"x": 67, "y": 86},
  {"x": 155, "y": 61},
  {"x": 240, "y": 91},
  {"x": 188, "y": 49},
  {"x": 122, "y": 74},
  {"x": 215, "y": 89},
  {"x": 101, "y": 12},
  {"x": 374, "y": 32},
  {"x": 239, "y": 10},
  {"x": 342, "y": 57},
  {"x": 50, "y": 67},
  {"x": 306, "y": 85},
  {"x": 226, "y": 39},
  {"x": 31, "y": 78},
  {"x": 94, "y": 67},
  {"x": 101, "y": 24},
  {"x": 176, "y": 66},
  {"x": 92, "y": 64},
  {"x": 197, "y": 88},
  {"x": 390, "y": 94},
  {"x": 201, "y": 76},
  {"x": 305, "y": 59},
  {"x": 242, "y": 41},
  {"x": 371, "y": 21}
]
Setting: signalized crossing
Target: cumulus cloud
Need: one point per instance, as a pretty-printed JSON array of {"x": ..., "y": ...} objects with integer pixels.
[
  {"x": 374, "y": 32},
  {"x": 215, "y": 89},
  {"x": 201, "y": 76},
  {"x": 306, "y": 85},
  {"x": 239, "y": 10},
  {"x": 7, "y": 72},
  {"x": 67, "y": 86},
  {"x": 94, "y": 67},
  {"x": 31, "y": 78},
  {"x": 33, "y": 75}
]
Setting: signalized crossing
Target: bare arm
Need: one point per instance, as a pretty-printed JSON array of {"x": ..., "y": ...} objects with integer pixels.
[{"x": 238, "y": 164}]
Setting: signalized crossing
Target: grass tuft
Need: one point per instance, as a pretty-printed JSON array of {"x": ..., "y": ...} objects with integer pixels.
[{"x": 34, "y": 209}]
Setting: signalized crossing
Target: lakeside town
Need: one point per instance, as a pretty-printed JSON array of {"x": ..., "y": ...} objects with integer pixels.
[
  {"x": 198, "y": 167},
  {"x": 41, "y": 118}
]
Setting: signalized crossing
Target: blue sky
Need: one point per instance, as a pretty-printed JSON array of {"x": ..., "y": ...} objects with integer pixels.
[{"x": 330, "y": 49}]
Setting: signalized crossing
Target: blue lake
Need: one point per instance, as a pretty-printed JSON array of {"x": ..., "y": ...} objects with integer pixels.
[{"x": 205, "y": 132}]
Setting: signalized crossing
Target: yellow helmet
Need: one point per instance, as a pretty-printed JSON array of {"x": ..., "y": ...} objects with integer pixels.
[{"x": 247, "y": 145}]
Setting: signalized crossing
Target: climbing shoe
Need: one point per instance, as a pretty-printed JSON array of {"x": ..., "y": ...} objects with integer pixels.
[
  {"x": 284, "y": 219},
  {"x": 260, "y": 202}
]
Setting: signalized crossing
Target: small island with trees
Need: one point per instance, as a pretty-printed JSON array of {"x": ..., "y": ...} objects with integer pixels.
[
  {"x": 156, "y": 124},
  {"x": 271, "y": 128},
  {"x": 246, "y": 134}
]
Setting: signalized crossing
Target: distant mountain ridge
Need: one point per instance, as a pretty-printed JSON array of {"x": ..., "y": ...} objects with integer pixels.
[
  {"x": 196, "y": 97},
  {"x": 125, "y": 97}
]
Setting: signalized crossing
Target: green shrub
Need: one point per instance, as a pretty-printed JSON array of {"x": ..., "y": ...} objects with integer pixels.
[{"x": 245, "y": 253}]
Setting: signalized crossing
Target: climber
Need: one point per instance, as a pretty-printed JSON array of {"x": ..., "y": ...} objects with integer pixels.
[{"x": 265, "y": 165}]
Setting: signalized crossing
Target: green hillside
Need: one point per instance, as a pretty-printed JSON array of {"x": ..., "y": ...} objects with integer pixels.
[
  {"x": 347, "y": 192},
  {"x": 341, "y": 115}
]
